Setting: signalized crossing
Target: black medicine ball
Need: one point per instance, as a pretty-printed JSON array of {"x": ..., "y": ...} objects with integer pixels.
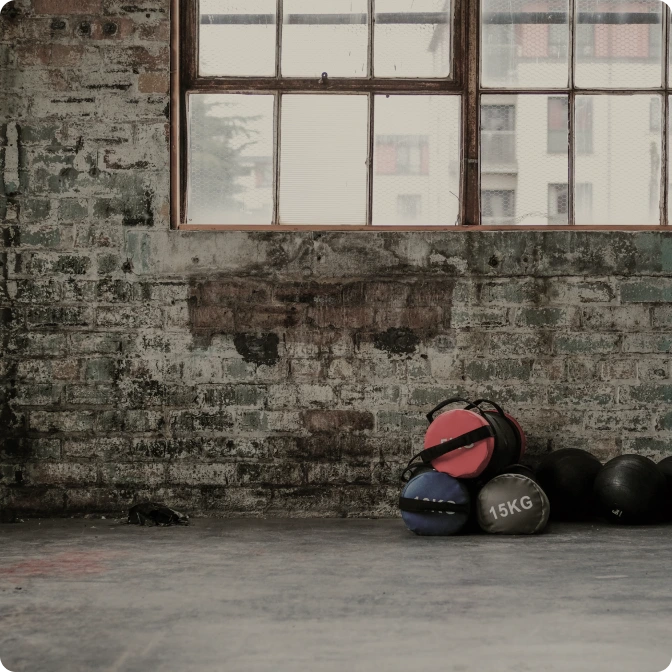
[
  {"x": 629, "y": 489},
  {"x": 567, "y": 477},
  {"x": 666, "y": 467}
]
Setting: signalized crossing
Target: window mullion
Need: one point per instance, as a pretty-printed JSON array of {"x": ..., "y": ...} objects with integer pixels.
[
  {"x": 276, "y": 114},
  {"x": 278, "y": 37},
  {"x": 369, "y": 190},
  {"x": 470, "y": 210},
  {"x": 371, "y": 137},
  {"x": 372, "y": 10},
  {"x": 664, "y": 159},
  {"x": 571, "y": 214}
]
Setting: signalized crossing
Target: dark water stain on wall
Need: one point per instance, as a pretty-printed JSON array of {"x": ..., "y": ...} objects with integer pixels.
[
  {"x": 257, "y": 348},
  {"x": 397, "y": 341}
]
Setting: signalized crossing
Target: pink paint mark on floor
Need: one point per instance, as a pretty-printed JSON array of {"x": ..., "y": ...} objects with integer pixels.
[{"x": 60, "y": 564}]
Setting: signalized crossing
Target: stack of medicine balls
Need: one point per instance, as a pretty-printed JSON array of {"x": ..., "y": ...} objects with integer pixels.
[{"x": 470, "y": 472}]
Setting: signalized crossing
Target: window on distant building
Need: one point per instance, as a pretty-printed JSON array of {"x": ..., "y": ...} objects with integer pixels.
[
  {"x": 375, "y": 113},
  {"x": 583, "y": 198},
  {"x": 402, "y": 155},
  {"x": 498, "y": 127},
  {"x": 558, "y": 203},
  {"x": 558, "y": 114},
  {"x": 408, "y": 208},
  {"x": 498, "y": 206}
]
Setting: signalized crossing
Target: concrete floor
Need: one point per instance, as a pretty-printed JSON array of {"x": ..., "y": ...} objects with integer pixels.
[{"x": 342, "y": 595}]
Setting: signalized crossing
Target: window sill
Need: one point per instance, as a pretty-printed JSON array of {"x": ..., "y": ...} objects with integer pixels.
[{"x": 406, "y": 229}]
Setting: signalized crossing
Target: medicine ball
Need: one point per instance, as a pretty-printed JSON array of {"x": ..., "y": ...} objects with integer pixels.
[
  {"x": 666, "y": 467},
  {"x": 629, "y": 489},
  {"x": 465, "y": 442},
  {"x": 567, "y": 477},
  {"x": 513, "y": 503},
  {"x": 435, "y": 504}
]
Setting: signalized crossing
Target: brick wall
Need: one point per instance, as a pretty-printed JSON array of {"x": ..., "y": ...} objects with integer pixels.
[{"x": 288, "y": 373}]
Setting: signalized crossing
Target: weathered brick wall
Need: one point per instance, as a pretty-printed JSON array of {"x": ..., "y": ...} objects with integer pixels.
[{"x": 277, "y": 373}]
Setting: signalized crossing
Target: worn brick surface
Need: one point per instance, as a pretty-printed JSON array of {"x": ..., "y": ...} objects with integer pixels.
[{"x": 235, "y": 373}]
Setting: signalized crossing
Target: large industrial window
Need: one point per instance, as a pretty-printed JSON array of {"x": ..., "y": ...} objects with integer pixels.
[{"x": 374, "y": 114}]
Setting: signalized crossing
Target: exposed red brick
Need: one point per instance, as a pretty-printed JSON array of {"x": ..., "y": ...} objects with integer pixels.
[
  {"x": 319, "y": 420},
  {"x": 39, "y": 54},
  {"x": 65, "y": 54},
  {"x": 56, "y": 7},
  {"x": 153, "y": 82},
  {"x": 229, "y": 291},
  {"x": 216, "y": 318}
]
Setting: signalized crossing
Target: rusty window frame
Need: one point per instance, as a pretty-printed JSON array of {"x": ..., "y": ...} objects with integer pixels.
[{"x": 464, "y": 81}]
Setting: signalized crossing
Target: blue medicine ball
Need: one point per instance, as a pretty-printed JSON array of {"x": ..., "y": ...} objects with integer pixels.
[{"x": 435, "y": 504}]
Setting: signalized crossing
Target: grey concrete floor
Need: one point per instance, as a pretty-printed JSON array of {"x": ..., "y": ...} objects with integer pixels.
[{"x": 277, "y": 595}]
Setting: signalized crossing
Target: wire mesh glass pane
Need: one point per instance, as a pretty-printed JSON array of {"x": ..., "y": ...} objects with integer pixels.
[
  {"x": 619, "y": 44},
  {"x": 323, "y": 159},
  {"x": 524, "y": 44},
  {"x": 621, "y": 172},
  {"x": 331, "y": 36},
  {"x": 237, "y": 38},
  {"x": 412, "y": 38},
  {"x": 416, "y": 160},
  {"x": 230, "y": 177},
  {"x": 524, "y": 159}
]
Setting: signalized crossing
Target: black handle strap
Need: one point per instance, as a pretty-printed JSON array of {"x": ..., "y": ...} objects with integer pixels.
[
  {"x": 425, "y": 506},
  {"x": 475, "y": 435},
  {"x": 447, "y": 402},
  {"x": 431, "y": 453},
  {"x": 478, "y": 402}
]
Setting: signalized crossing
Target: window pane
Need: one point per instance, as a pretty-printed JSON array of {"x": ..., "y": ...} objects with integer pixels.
[
  {"x": 331, "y": 36},
  {"x": 412, "y": 38},
  {"x": 323, "y": 159},
  {"x": 524, "y": 159},
  {"x": 237, "y": 38},
  {"x": 623, "y": 166},
  {"x": 620, "y": 46},
  {"x": 416, "y": 160},
  {"x": 524, "y": 44},
  {"x": 230, "y": 159}
]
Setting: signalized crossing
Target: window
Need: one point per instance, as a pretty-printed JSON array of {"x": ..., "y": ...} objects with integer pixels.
[
  {"x": 558, "y": 114},
  {"x": 409, "y": 113},
  {"x": 558, "y": 203},
  {"x": 402, "y": 155},
  {"x": 408, "y": 208},
  {"x": 498, "y": 206},
  {"x": 498, "y": 134}
]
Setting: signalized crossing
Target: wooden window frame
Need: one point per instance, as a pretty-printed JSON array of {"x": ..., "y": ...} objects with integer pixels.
[{"x": 464, "y": 81}]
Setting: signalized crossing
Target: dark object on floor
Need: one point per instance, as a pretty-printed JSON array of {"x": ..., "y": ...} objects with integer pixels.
[
  {"x": 435, "y": 504},
  {"x": 666, "y": 467},
  {"x": 567, "y": 477},
  {"x": 629, "y": 489},
  {"x": 513, "y": 503},
  {"x": 8, "y": 516},
  {"x": 155, "y": 514}
]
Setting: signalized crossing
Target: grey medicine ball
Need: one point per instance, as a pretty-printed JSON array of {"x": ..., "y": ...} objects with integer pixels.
[{"x": 512, "y": 504}]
